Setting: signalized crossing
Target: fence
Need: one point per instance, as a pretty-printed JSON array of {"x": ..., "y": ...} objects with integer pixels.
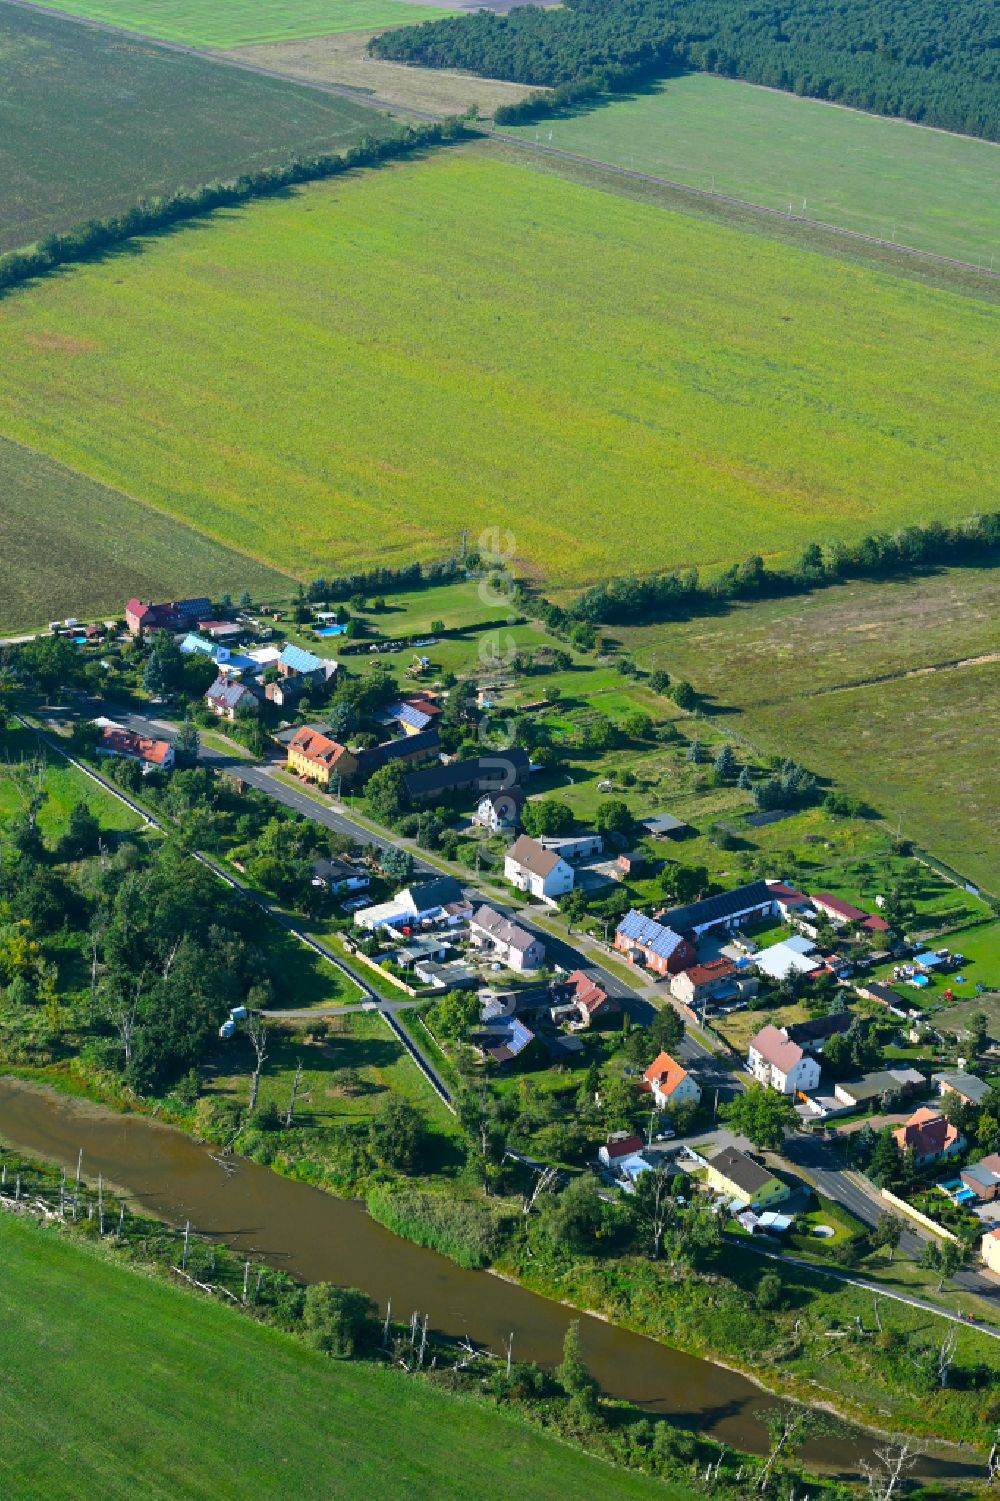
[{"x": 915, "y": 1214}]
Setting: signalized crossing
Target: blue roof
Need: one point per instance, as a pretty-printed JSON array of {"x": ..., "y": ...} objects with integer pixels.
[
  {"x": 299, "y": 660},
  {"x": 406, "y": 714},
  {"x": 193, "y": 642},
  {"x": 650, "y": 934}
]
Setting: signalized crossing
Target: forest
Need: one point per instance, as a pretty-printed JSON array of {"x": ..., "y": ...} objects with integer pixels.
[{"x": 926, "y": 63}]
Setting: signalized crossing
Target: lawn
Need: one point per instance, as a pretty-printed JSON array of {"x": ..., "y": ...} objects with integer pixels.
[
  {"x": 100, "y": 548},
  {"x": 154, "y": 1392},
  {"x": 888, "y": 178},
  {"x": 62, "y": 785},
  {"x": 461, "y": 343},
  {"x": 236, "y": 23},
  {"x": 76, "y": 145},
  {"x": 844, "y": 681}
]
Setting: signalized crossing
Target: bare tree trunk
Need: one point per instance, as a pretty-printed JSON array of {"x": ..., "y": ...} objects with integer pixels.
[
  {"x": 290, "y": 1115},
  {"x": 257, "y": 1033}
]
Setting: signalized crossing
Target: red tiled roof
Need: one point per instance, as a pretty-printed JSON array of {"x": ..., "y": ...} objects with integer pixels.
[
  {"x": 126, "y": 743},
  {"x": 875, "y": 924},
  {"x": 842, "y": 909},
  {"x": 316, "y": 747},
  {"x": 624, "y": 1147},
  {"x": 927, "y": 1132},
  {"x": 664, "y": 1074},
  {"x": 585, "y": 993},
  {"x": 715, "y": 969}
]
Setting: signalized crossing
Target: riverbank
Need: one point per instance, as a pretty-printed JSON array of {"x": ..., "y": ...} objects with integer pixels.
[{"x": 314, "y": 1236}]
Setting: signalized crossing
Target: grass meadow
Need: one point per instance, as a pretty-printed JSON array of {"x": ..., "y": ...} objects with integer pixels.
[
  {"x": 235, "y": 23},
  {"x": 353, "y": 373},
  {"x": 802, "y": 677},
  {"x": 922, "y": 187},
  {"x": 75, "y": 146},
  {"x": 121, "y": 1385},
  {"x": 99, "y": 547}
]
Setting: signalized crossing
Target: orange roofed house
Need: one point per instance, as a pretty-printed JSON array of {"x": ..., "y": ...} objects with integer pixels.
[
  {"x": 314, "y": 755},
  {"x": 930, "y": 1136},
  {"x": 670, "y": 1083},
  {"x": 152, "y": 755}
]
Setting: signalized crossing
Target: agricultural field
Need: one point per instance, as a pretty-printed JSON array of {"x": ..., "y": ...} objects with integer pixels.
[
  {"x": 91, "y": 123},
  {"x": 887, "y": 688},
  {"x": 889, "y": 178},
  {"x": 343, "y": 59},
  {"x": 99, "y": 548},
  {"x": 463, "y": 343},
  {"x": 76, "y": 1337},
  {"x": 236, "y": 23}
]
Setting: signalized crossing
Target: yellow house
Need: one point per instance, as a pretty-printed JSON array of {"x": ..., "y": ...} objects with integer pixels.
[
  {"x": 738, "y": 1176},
  {"x": 317, "y": 757}
]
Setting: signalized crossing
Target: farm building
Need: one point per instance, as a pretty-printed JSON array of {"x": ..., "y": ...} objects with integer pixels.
[
  {"x": 665, "y": 826},
  {"x": 842, "y": 913},
  {"x": 969, "y": 1089},
  {"x": 645, "y": 941},
  {"x": 175, "y": 616},
  {"x": 793, "y": 955},
  {"x": 883, "y": 1082},
  {"x": 500, "y": 772},
  {"x": 728, "y": 910}
]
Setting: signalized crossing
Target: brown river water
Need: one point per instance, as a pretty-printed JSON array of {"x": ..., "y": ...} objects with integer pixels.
[{"x": 316, "y": 1237}]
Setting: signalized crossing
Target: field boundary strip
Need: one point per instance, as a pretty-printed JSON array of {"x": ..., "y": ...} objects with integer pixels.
[{"x": 742, "y": 203}]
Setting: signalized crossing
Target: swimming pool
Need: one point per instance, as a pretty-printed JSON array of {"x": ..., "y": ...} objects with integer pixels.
[{"x": 332, "y": 630}]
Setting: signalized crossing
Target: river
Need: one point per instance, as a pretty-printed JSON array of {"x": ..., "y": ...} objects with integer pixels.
[{"x": 315, "y": 1237}]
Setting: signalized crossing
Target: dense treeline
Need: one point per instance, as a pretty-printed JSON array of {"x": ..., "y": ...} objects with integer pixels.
[
  {"x": 381, "y": 580},
  {"x": 98, "y": 235},
  {"x": 675, "y": 595},
  {"x": 912, "y": 59}
]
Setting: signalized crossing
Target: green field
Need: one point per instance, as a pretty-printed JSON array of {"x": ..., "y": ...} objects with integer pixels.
[
  {"x": 801, "y": 677},
  {"x": 99, "y": 547},
  {"x": 120, "y": 1386},
  {"x": 64, "y": 785},
  {"x": 883, "y": 177},
  {"x": 77, "y": 145},
  {"x": 353, "y": 373},
  {"x": 237, "y": 23}
]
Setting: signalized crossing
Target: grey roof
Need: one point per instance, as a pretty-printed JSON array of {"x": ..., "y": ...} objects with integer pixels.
[
  {"x": 969, "y": 1086},
  {"x": 718, "y": 908},
  {"x": 424, "y": 743},
  {"x": 663, "y": 823},
  {"x": 228, "y": 692},
  {"x": 439, "y": 893},
  {"x": 532, "y": 856},
  {"x": 484, "y": 773},
  {"x": 740, "y": 1169},
  {"x": 502, "y": 929}
]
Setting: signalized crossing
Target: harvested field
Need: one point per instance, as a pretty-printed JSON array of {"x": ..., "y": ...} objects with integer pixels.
[
  {"x": 915, "y": 740},
  {"x": 70, "y": 546},
  {"x": 462, "y": 343},
  {"x": 236, "y": 23},
  {"x": 77, "y": 145},
  {"x": 883, "y": 177},
  {"x": 343, "y": 60}
]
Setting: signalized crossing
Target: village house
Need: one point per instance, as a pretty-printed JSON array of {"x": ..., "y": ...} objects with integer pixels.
[
  {"x": 728, "y": 910},
  {"x": 700, "y": 983},
  {"x": 929, "y": 1136},
  {"x": 317, "y": 757},
  {"x": 152, "y": 755},
  {"x": 781, "y": 1064},
  {"x": 294, "y": 662},
  {"x": 670, "y": 1084},
  {"x": 579, "y": 1001},
  {"x": 175, "y": 616},
  {"x": 739, "y": 1177},
  {"x": 411, "y": 750},
  {"x": 228, "y": 698},
  {"x": 339, "y": 876},
  {"x": 513, "y": 946},
  {"x": 413, "y": 715},
  {"x": 969, "y": 1089},
  {"x": 619, "y": 1145},
  {"x": 499, "y": 811},
  {"x": 541, "y": 872},
  {"x": 989, "y": 1249},
  {"x": 441, "y": 900},
  {"x": 643, "y": 940}
]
